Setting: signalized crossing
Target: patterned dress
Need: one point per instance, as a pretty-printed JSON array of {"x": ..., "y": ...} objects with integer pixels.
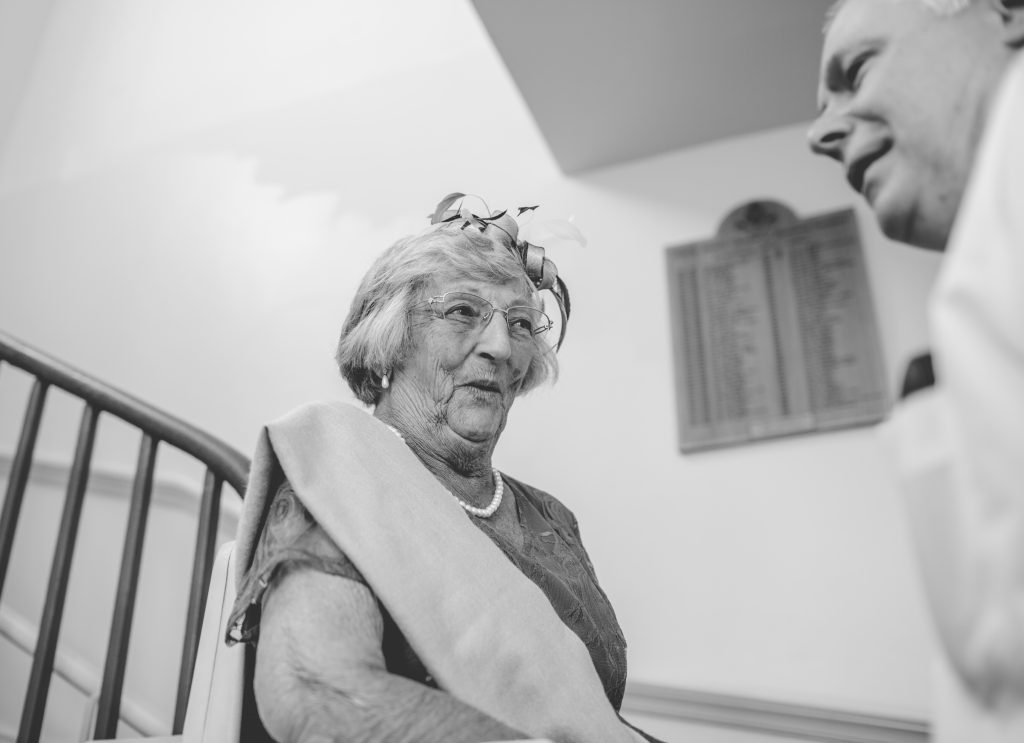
[{"x": 552, "y": 556}]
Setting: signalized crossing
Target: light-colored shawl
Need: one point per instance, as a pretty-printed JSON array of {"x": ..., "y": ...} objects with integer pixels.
[{"x": 486, "y": 632}]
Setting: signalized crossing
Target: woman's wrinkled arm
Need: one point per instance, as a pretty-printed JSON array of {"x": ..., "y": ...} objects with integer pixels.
[{"x": 320, "y": 673}]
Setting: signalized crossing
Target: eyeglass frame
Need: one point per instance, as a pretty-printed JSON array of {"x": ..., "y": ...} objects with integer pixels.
[{"x": 486, "y": 318}]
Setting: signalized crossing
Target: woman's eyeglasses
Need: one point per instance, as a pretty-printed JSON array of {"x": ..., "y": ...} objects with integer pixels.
[{"x": 473, "y": 313}]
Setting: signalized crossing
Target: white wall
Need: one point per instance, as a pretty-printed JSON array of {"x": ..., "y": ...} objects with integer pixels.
[{"x": 190, "y": 191}]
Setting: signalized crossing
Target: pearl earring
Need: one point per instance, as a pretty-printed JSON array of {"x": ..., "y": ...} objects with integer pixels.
[{"x": 384, "y": 381}]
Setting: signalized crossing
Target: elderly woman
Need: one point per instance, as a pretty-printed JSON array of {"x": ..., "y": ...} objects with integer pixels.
[{"x": 396, "y": 585}]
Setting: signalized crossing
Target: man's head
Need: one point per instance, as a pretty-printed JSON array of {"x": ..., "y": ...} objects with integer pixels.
[{"x": 903, "y": 94}]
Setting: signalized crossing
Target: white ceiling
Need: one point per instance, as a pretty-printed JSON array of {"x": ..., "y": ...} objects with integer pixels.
[{"x": 610, "y": 81}]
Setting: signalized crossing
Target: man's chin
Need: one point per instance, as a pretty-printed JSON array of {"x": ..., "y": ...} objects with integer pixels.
[
  {"x": 909, "y": 228},
  {"x": 894, "y": 219}
]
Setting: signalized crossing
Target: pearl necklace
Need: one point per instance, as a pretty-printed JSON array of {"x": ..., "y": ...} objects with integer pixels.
[
  {"x": 490, "y": 508},
  {"x": 499, "y": 490}
]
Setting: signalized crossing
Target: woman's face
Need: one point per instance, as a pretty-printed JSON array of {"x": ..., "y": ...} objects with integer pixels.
[{"x": 459, "y": 379}]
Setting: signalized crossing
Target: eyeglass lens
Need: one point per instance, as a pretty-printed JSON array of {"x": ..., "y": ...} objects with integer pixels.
[{"x": 473, "y": 312}]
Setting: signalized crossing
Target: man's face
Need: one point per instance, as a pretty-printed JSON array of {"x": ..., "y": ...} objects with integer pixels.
[{"x": 902, "y": 96}]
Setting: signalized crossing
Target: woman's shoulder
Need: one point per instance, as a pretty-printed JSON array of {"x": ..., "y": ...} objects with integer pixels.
[{"x": 290, "y": 539}]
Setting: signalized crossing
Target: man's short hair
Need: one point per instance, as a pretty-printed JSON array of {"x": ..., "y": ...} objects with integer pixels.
[{"x": 939, "y": 7}]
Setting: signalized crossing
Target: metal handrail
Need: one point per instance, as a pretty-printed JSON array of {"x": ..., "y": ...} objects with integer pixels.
[
  {"x": 223, "y": 464},
  {"x": 227, "y": 462}
]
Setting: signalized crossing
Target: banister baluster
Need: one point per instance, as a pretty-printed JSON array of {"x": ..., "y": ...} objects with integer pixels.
[
  {"x": 53, "y": 610},
  {"x": 17, "y": 478},
  {"x": 109, "y": 707},
  {"x": 202, "y": 564},
  {"x": 224, "y": 464}
]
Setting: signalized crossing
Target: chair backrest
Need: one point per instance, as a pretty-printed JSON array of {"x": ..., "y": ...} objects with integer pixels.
[
  {"x": 158, "y": 429},
  {"x": 218, "y": 683}
]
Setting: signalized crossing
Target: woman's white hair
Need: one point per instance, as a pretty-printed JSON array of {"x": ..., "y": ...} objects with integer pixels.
[{"x": 376, "y": 334}]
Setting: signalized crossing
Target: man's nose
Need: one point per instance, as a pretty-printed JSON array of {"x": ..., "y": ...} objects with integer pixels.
[{"x": 828, "y": 135}]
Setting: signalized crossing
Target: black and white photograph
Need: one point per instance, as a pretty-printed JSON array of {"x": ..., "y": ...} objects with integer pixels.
[{"x": 479, "y": 371}]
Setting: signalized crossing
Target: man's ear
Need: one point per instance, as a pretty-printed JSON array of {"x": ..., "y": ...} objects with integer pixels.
[{"x": 1012, "y": 14}]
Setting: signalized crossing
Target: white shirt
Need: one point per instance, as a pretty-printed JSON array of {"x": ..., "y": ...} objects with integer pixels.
[{"x": 960, "y": 445}]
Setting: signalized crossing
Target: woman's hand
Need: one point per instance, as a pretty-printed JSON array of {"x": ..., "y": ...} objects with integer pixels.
[{"x": 320, "y": 672}]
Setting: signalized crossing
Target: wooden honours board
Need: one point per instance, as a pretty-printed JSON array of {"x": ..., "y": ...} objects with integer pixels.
[{"x": 773, "y": 329}]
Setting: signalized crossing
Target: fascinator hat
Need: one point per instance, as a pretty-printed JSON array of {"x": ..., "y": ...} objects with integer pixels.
[{"x": 503, "y": 227}]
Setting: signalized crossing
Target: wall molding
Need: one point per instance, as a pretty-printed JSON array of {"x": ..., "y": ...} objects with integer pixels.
[
  {"x": 170, "y": 490},
  {"x": 771, "y": 717},
  {"x": 757, "y": 715},
  {"x": 78, "y": 673}
]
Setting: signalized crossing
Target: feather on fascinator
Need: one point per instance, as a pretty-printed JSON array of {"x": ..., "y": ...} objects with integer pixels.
[{"x": 504, "y": 228}]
